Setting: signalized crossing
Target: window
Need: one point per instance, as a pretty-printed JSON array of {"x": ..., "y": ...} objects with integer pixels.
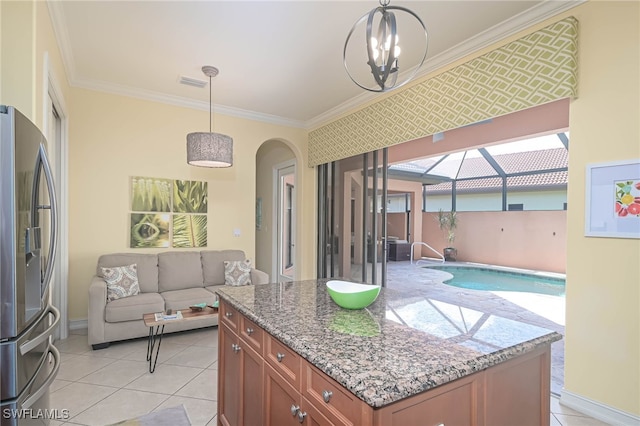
[{"x": 516, "y": 207}]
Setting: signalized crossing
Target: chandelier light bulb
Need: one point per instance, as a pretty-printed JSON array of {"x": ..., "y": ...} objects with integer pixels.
[{"x": 387, "y": 43}]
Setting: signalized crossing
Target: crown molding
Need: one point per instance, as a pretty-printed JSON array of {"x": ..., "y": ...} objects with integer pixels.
[
  {"x": 64, "y": 43},
  {"x": 522, "y": 21},
  {"x": 149, "y": 95},
  {"x": 62, "y": 36},
  {"x": 505, "y": 29}
]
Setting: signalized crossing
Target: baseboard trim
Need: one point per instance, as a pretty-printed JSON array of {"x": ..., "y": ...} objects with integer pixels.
[
  {"x": 78, "y": 324},
  {"x": 597, "y": 410}
]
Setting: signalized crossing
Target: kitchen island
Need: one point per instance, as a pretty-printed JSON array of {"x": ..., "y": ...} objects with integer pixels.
[{"x": 288, "y": 355}]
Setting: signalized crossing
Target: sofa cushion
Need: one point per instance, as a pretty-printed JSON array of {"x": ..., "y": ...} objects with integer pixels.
[
  {"x": 213, "y": 264},
  {"x": 146, "y": 265},
  {"x": 237, "y": 272},
  {"x": 182, "y": 299},
  {"x": 179, "y": 270},
  {"x": 134, "y": 307},
  {"x": 122, "y": 281}
]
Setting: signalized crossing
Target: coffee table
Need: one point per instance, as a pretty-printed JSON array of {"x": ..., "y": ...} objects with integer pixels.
[{"x": 156, "y": 336}]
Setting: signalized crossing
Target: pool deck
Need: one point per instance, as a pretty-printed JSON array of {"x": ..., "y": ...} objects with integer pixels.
[{"x": 539, "y": 310}]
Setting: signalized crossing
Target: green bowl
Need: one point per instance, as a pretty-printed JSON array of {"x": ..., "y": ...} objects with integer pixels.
[{"x": 352, "y": 295}]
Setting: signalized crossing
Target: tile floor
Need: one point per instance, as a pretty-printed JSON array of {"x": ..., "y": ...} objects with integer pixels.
[{"x": 114, "y": 384}]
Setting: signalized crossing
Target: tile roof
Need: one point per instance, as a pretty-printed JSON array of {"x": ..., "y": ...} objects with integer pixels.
[
  {"x": 528, "y": 161},
  {"x": 555, "y": 180},
  {"x": 533, "y": 160}
]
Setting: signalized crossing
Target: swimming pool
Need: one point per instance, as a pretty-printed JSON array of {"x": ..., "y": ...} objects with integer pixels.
[{"x": 493, "y": 280}]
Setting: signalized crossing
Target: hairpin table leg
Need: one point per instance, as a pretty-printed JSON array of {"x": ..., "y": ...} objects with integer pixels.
[{"x": 153, "y": 338}]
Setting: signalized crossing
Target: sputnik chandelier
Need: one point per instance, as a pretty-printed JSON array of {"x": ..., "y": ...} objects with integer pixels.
[{"x": 383, "y": 49}]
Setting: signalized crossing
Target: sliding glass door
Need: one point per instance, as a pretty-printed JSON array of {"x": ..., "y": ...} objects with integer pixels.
[{"x": 352, "y": 201}]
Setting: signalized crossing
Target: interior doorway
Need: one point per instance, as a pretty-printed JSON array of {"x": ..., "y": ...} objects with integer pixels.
[
  {"x": 55, "y": 129},
  {"x": 272, "y": 156},
  {"x": 284, "y": 216}
]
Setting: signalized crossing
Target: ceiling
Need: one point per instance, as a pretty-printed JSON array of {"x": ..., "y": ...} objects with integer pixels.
[{"x": 279, "y": 61}]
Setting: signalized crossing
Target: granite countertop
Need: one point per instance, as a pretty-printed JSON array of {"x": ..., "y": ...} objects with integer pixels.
[{"x": 402, "y": 344}]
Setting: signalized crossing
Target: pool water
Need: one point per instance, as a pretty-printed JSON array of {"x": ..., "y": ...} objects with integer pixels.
[{"x": 493, "y": 280}]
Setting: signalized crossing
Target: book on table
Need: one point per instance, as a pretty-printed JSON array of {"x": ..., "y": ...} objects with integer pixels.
[{"x": 163, "y": 316}]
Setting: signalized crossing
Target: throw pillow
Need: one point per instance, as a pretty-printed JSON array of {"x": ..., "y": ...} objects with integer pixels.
[
  {"x": 122, "y": 281},
  {"x": 237, "y": 272}
]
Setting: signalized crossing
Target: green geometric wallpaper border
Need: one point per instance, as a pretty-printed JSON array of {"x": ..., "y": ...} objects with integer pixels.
[{"x": 538, "y": 68}]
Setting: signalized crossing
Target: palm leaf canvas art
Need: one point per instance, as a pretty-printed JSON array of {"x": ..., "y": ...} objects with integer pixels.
[
  {"x": 189, "y": 230},
  {"x": 166, "y": 210},
  {"x": 151, "y": 194},
  {"x": 190, "y": 196}
]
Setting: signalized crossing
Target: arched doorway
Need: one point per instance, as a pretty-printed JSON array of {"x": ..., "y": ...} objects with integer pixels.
[{"x": 276, "y": 183}]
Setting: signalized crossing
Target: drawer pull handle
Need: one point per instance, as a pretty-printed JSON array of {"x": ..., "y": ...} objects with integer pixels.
[
  {"x": 229, "y": 314},
  {"x": 280, "y": 356},
  {"x": 301, "y": 416},
  {"x": 249, "y": 331},
  {"x": 326, "y": 395},
  {"x": 236, "y": 348},
  {"x": 294, "y": 410}
]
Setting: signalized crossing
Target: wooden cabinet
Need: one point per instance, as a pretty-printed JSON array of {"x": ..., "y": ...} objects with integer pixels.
[
  {"x": 228, "y": 374},
  {"x": 284, "y": 405},
  {"x": 263, "y": 382},
  {"x": 281, "y": 400},
  {"x": 240, "y": 376}
]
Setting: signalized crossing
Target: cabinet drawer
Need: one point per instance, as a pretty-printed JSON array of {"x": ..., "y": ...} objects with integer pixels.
[
  {"x": 284, "y": 360},
  {"x": 339, "y": 405},
  {"x": 251, "y": 333},
  {"x": 229, "y": 315}
]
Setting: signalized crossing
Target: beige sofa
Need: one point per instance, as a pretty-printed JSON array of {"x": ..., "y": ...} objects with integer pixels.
[{"x": 170, "y": 280}]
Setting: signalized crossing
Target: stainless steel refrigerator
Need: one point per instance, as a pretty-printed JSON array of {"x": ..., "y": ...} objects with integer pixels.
[{"x": 28, "y": 220}]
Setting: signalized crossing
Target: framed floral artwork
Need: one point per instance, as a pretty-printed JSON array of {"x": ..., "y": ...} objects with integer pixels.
[{"x": 613, "y": 199}]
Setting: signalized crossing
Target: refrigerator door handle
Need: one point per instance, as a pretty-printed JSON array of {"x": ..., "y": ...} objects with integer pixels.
[
  {"x": 45, "y": 385},
  {"x": 30, "y": 344},
  {"x": 46, "y": 166}
]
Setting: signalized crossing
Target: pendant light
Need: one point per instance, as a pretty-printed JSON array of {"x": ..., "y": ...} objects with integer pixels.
[
  {"x": 383, "y": 49},
  {"x": 209, "y": 149}
]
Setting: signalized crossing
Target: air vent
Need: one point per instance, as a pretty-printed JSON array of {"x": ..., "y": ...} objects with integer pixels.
[{"x": 192, "y": 81}]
